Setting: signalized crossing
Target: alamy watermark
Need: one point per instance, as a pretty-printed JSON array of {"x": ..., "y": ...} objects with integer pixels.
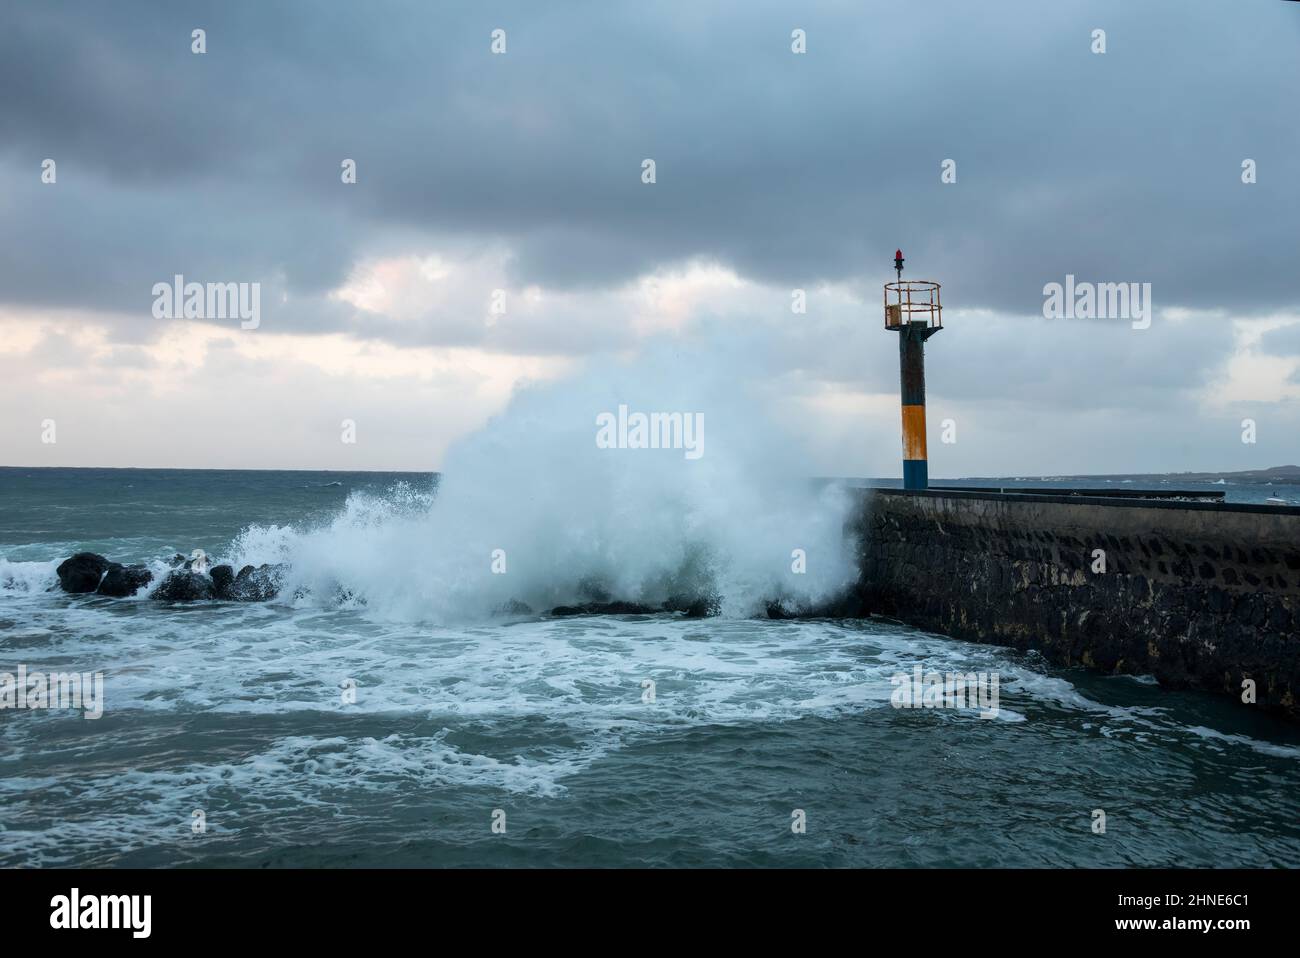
[
  {"x": 946, "y": 690},
  {"x": 656, "y": 430},
  {"x": 182, "y": 300},
  {"x": 1073, "y": 300},
  {"x": 75, "y": 910},
  {"x": 53, "y": 690}
]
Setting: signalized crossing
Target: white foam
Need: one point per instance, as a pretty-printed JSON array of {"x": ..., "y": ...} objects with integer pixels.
[
  {"x": 645, "y": 524},
  {"x": 1263, "y": 748},
  {"x": 26, "y": 578}
]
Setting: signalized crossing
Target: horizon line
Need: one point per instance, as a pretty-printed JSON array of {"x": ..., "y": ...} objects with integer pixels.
[{"x": 1040, "y": 477}]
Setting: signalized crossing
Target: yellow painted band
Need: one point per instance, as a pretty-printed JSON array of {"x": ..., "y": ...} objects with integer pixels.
[{"x": 914, "y": 432}]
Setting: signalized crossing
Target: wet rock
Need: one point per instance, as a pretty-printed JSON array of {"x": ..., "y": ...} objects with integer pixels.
[
  {"x": 694, "y": 606},
  {"x": 183, "y": 586},
  {"x": 345, "y": 597},
  {"x": 775, "y": 610},
  {"x": 121, "y": 581},
  {"x": 850, "y": 605},
  {"x": 222, "y": 578},
  {"x": 513, "y": 607},
  {"x": 256, "y": 584},
  {"x": 82, "y": 572},
  {"x": 604, "y": 608}
]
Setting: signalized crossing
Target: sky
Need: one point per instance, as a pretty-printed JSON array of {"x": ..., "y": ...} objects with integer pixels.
[{"x": 500, "y": 234}]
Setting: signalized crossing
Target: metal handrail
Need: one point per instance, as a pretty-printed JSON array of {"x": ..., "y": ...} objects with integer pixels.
[{"x": 911, "y": 309}]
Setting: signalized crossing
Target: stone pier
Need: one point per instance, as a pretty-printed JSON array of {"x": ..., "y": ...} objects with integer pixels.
[{"x": 1200, "y": 595}]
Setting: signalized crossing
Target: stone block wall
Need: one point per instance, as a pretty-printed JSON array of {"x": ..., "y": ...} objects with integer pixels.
[{"x": 1198, "y": 595}]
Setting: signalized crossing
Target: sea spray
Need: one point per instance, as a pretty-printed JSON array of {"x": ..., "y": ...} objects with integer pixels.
[
  {"x": 531, "y": 510},
  {"x": 27, "y": 578}
]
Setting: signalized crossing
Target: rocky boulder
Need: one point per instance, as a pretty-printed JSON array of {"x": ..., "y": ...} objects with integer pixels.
[
  {"x": 255, "y": 584},
  {"x": 82, "y": 572},
  {"x": 184, "y": 587},
  {"x": 694, "y": 606},
  {"x": 847, "y": 605},
  {"x": 604, "y": 608},
  {"x": 88, "y": 572},
  {"x": 121, "y": 581},
  {"x": 223, "y": 576},
  {"x": 513, "y": 607}
]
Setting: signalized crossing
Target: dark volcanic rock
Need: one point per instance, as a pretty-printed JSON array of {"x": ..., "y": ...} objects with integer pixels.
[
  {"x": 252, "y": 584},
  {"x": 775, "y": 610},
  {"x": 184, "y": 587},
  {"x": 604, "y": 608},
  {"x": 256, "y": 584},
  {"x": 694, "y": 606},
  {"x": 222, "y": 578},
  {"x": 89, "y": 572},
  {"x": 513, "y": 607},
  {"x": 850, "y": 605},
  {"x": 121, "y": 581},
  {"x": 82, "y": 572}
]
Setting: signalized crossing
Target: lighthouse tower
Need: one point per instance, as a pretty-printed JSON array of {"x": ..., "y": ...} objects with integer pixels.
[{"x": 913, "y": 310}]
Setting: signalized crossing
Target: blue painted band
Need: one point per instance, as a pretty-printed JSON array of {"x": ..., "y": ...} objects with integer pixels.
[{"x": 916, "y": 474}]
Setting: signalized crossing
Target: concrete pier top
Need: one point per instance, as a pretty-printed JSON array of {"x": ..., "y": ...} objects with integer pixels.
[{"x": 1162, "y": 499}]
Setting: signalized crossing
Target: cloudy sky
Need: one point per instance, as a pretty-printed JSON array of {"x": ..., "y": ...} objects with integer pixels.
[{"x": 521, "y": 172}]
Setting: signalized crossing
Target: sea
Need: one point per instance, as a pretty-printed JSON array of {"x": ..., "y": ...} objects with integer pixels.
[{"x": 407, "y": 700}]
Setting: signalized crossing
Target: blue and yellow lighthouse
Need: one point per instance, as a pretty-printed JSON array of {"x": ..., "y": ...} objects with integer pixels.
[{"x": 913, "y": 310}]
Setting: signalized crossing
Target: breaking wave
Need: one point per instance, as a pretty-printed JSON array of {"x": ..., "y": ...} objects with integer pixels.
[
  {"x": 531, "y": 510},
  {"x": 21, "y": 578}
]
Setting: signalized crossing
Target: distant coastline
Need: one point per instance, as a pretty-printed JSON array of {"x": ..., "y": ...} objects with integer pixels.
[{"x": 1282, "y": 474}]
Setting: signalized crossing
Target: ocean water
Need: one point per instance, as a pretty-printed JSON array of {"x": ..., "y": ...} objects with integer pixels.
[{"x": 463, "y": 718}]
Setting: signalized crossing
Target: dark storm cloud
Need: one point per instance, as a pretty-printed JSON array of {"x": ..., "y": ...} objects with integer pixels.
[{"x": 791, "y": 169}]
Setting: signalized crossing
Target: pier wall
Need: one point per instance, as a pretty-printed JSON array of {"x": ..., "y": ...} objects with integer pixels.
[{"x": 1198, "y": 595}]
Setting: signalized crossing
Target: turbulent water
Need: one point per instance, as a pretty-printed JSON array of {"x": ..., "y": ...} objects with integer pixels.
[{"x": 463, "y": 719}]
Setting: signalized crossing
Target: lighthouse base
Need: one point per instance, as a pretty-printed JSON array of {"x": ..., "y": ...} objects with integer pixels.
[{"x": 916, "y": 474}]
